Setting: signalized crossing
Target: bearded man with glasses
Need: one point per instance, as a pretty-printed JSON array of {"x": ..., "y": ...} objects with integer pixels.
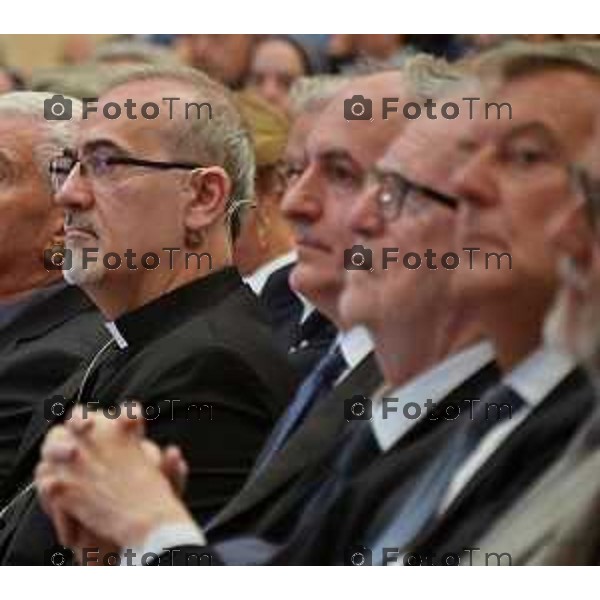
[{"x": 189, "y": 341}]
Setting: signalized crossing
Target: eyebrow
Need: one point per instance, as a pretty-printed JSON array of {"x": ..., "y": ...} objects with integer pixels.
[
  {"x": 469, "y": 144},
  {"x": 536, "y": 128},
  {"x": 103, "y": 144},
  {"x": 337, "y": 154}
]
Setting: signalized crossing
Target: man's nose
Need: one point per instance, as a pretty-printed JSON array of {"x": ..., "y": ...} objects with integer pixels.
[
  {"x": 365, "y": 218},
  {"x": 75, "y": 192},
  {"x": 474, "y": 180},
  {"x": 303, "y": 199}
]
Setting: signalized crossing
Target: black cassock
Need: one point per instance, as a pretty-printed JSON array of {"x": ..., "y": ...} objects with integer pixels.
[{"x": 203, "y": 361}]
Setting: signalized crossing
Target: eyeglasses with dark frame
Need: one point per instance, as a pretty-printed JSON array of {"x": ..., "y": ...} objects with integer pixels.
[
  {"x": 394, "y": 189},
  {"x": 98, "y": 165}
]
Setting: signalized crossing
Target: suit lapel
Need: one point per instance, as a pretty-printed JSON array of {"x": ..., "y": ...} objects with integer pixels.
[
  {"x": 37, "y": 428},
  {"x": 312, "y": 441},
  {"x": 532, "y": 444},
  {"x": 46, "y": 312}
]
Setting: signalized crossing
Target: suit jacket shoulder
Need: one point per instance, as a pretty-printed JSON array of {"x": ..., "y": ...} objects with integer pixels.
[{"x": 256, "y": 504}]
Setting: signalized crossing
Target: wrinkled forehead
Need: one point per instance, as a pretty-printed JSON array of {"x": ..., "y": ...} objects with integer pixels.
[
  {"x": 426, "y": 150},
  {"x": 363, "y": 140},
  {"x": 552, "y": 108}
]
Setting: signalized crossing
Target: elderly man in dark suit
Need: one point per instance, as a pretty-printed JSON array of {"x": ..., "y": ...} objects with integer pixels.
[
  {"x": 555, "y": 522},
  {"x": 188, "y": 338},
  {"x": 467, "y": 370},
  {"x": 47, "y": 328}
]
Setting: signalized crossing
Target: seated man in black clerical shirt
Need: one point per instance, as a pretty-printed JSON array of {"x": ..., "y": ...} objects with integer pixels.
[{"x": 148, "y": 206}]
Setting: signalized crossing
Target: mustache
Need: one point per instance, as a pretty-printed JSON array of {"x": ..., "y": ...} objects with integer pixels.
[{"x": 80, "y": 221}]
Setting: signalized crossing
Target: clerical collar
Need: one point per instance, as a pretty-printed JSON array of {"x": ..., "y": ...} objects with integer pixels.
[{"x": 173, "y": 308}]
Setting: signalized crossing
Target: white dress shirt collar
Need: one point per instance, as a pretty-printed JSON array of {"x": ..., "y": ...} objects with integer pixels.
[
  {"x": 434, "y": 384},
  {"x": 355, "y": 344},
  {"x": 537, "y": 375},
  {"x": 258, "y": 279}
]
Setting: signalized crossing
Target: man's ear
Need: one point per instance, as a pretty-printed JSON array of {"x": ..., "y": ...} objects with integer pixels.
[{"x": 210, "y": 189}]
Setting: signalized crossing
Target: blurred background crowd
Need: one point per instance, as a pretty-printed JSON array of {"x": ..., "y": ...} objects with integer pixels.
[
  {"x": 284, "y": 331},
  {"x": 268, "y": 64}
]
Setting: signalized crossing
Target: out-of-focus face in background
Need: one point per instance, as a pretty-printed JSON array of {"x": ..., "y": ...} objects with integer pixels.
[
  {"x": 28, "y": 220},
  {"x": 514, "y": 181},
  {"x": 375, "y": 46},
  {"x": 275, "y": 65},
  {"x": 394, "y": 214},
  {"x": 224, "y": 57},
  {"x": 6, "y": 82},
  {"x": 574, "y": 321},
  {"x": 331, "y": 177},
  {"x": 77, "y": 49}
]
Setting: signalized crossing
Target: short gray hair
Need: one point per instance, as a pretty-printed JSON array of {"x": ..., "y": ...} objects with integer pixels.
[
  {"x": 516, "y": 59},
  {"x": 223, "y": 140},
  {"x": 429, "y": 77},
  {"x": 55, "y": 134},
  {"x": 312, "y": 93}
]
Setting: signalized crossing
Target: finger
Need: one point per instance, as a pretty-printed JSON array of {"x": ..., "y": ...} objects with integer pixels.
[
  {"x": 65, "y": 526},
  {"x": 82, "y": 421},
  {"x": 60, "y": 448},
  {"x": 175, "y": 468},
  {"x": 152, "y": 452},
  {"x": 131, "y": 419}
]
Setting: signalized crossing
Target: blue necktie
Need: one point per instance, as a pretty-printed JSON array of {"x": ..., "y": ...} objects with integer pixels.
[
  {"x": 317, "y": 385},
  {"x": 413, "y": 513}
]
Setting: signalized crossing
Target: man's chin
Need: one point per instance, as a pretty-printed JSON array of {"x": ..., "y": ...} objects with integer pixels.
[
  {"x": 354, "y": 308},
  {"x": 83, "y": 277}
]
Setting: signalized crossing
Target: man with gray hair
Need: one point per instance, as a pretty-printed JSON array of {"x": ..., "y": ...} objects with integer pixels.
[
  {"x": 148, "y": 205},
  {"x": 46, "y": 327}
]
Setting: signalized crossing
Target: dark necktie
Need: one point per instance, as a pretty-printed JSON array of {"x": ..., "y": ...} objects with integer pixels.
[
  {"x": 412, "y": 513},
  {"x": 317, "y": 385},
  {"x": 284, "y": 307}
]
